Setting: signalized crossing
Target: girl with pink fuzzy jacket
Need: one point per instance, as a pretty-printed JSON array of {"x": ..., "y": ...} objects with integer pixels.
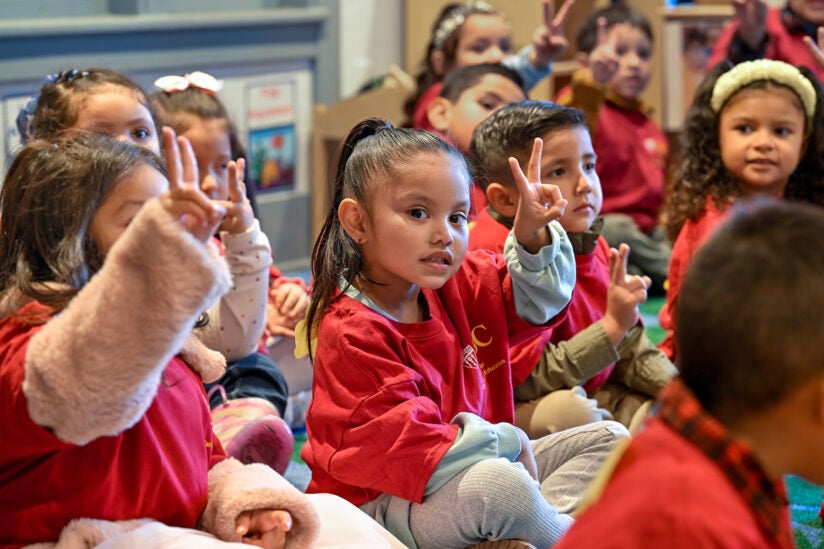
[{"x": 103, "y": 416}]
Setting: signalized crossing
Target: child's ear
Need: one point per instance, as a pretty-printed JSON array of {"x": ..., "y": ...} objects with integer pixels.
[
  {"x": 581, "y": 60},
  {"x": 502, "y": 198},
  {"x": 439, "y": 113},
  {"x": 353, "y": 219}
]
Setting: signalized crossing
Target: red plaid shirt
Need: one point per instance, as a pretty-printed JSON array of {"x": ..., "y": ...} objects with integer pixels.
[{"x": 679, "y": 409}]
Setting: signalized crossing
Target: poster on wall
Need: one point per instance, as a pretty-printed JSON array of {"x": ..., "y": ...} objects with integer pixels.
[{"x": 271, "y": 141}]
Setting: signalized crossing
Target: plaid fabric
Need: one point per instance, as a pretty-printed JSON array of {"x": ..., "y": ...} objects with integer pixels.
[{"x": 679, "y": 408}]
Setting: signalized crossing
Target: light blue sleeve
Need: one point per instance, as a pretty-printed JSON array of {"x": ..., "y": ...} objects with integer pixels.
[
  {"x": 542, "y": 283},
  {"x": 477, "y": 440},
  {"x": 519, "y": 62}
]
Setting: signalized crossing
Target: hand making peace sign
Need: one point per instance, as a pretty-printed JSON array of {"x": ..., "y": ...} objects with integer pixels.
[
  {"x": 549, "y": 40},
  {"x": 538, "y": 203}
]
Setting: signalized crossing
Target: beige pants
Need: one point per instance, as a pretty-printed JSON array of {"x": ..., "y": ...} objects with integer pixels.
[{"x": 567, "y": 408}]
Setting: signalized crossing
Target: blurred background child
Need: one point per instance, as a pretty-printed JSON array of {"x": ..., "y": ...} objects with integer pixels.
[
  {"x": 772, "y": 32},
  {"x": 615, "y": 57},
  {"x": 754, "y": 129},
  {"x": 599, "y": 350},
  {"x": 474, "y": 33},
  {"x": 468, "y": 96}
]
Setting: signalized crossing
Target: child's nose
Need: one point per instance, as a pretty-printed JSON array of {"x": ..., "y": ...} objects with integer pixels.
[
  {"x": 584, "y": 186},
  {"x": 208, "y": 184},
  {"x": 442, "y": 233},
  {"x": 494, "y": 55}
]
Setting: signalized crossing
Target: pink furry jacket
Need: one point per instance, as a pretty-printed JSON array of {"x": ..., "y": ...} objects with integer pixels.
[{"x": 103, "y": 417}]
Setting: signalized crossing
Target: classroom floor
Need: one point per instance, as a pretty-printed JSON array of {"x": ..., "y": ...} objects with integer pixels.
[{"x": 805, "y": 498}]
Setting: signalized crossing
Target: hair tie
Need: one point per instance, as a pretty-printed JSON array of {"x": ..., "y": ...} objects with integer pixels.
[
  {"x": 457, "y": 18},
  {"x": 779, "y": 72},
  {"x": 197, "y": 79}
]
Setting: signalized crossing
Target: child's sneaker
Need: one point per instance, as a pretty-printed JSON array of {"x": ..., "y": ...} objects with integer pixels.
[{"x": 251, "y": 431}]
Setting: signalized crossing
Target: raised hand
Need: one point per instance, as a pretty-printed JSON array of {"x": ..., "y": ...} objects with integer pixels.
[
  {"x": 602, "y": 60},
  {"x": 265, "y": 528},
  {"x": 752, "y": 21},
  {"x": 624, "y": 295},
  {"x": 549, "y": 40},
  {"x": 817, "y": 47},
  {"x": 538, "y": 203},
  {"x": 184, "y": 199},
  {"x": 239, "y": 214}
]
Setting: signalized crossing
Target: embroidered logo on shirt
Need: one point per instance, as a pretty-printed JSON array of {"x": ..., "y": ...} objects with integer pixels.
[
  {"x": 470, "y": 359},
  {"x": 478, "y": 342}
]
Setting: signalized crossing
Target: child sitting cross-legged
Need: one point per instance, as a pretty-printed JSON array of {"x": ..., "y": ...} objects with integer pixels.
[{"x": 600, "y": 349}]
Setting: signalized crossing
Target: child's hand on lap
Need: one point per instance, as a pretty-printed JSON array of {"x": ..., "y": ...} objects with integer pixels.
[
  {"x": 265, "y": 528},
  {"x": 538, "y": 203},
  {"x": 624, "y": 295},
  {"x": 184, "y": 199},
  {"x": 239, "y": 214},
  {"x": 287, "y": 307}
]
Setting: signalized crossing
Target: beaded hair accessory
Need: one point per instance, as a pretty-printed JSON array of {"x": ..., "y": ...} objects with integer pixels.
[
  {"x": 457, "y": 18},
  {"x": 197, "y": 79},
  {"x": 763, "y": 69}
]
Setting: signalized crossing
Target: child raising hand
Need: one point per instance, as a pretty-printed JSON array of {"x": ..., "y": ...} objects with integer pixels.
[
  {"x": 412, "y": 358},
  {"x": 104, "y": 416}
]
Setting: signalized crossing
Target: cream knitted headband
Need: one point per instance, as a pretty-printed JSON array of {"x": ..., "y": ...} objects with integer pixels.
[{"x": 763, "y": 69}]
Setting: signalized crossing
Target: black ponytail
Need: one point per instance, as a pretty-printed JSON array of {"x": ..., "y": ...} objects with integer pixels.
[{"x": 372, "y": 150}]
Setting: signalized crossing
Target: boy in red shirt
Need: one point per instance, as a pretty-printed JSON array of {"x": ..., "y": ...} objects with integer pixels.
[
  {"x": 600, "y": 348},
  {"x": 707, "y": 470},
  {"x": 615, "y": 56}
]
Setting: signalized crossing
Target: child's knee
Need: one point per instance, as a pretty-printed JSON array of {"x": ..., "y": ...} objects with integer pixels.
[{"x": 559, "y": 410}]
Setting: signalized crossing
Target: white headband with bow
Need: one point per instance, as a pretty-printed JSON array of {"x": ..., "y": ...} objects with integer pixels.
[{"x": 197, "y": 79}]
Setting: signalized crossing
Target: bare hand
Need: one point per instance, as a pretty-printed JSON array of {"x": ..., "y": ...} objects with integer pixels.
[
  {"x": 538, "y": 203},
  {"x": 287, "y": 306},
  {"x": 184, "y": 199},
  {"x": 526, "y": 457},
  {"x": 549, "y": 40},
  {"x": 624, "y": 295},
  {"x": 752, "y": 21},
  {"x": 265, "y": 528},
  {"x": 602, "y": 61},
  {"x": 239, "y": 214},
  {"x": 817, "y": 48}
]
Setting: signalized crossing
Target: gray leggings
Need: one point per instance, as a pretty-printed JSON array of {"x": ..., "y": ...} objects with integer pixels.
[{"x": 496, "y": 499}]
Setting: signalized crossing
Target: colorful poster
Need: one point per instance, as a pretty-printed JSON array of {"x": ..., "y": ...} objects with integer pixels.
[
  {"x": 272, "y": 158},
  {"x": 272, "y": 154}
]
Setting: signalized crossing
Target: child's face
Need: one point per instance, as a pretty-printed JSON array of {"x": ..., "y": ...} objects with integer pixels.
[
  {"x": 120, "y": 115},
  {"x": 634, "y": 51},
  {"x": 476, "y": 104},
  {"x": 569, "y": 162},
  {"x": 119, "y": 208},
  {"x": 761, "y": 135},
  {"x": 810, "y": 10},
  {"x": 483, "y": 39},
  {"x": 417, "y": 228},
  {"x": 213, "y": 151}
]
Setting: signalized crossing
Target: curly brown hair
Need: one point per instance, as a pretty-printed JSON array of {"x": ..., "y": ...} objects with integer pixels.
[{"x": 700, "y": 173}]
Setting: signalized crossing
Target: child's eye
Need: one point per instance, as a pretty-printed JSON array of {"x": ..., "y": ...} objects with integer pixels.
[
  {"x": 487, "y": 105},
  {"x": 743, "y": 128},
  {"x": 589, "y": 166},
  {"x": 783, "y": 132},
  {"x": 557, "y": 172},
  {"x": 142, "y": 133},
  {"x": 458, "y": 218},
  {"x": 506, "y": 47},
  {"x": 417, "y": 213}
]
